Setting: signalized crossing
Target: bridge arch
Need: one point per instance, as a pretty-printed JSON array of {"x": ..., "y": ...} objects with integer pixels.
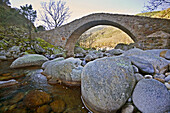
[{"x": 72, "y": 39}]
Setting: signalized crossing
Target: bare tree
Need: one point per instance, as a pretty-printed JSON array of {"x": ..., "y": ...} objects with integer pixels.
[
  {"x": 54, "y": 13},
  {"x": 152, "y": 5}
]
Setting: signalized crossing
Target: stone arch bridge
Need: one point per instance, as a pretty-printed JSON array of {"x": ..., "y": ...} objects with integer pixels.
[{"x": 147, "y": 33}]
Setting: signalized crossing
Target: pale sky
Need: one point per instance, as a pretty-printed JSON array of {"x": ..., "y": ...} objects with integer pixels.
[{"x": 81, "y": 8}]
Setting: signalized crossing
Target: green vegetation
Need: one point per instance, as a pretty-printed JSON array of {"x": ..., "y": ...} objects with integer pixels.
[
  {"x": 105, "y": 37},
  {"x": 15, "y": 37},
  {"x": 11, "y": 17},
  {"x": 14, "y": 32},
  {"x": 157, "y": 14},
  {"x": 28, "y": 12}
]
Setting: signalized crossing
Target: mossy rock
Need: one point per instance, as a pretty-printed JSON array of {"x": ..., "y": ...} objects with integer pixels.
[{"x": 29, "y": 60}]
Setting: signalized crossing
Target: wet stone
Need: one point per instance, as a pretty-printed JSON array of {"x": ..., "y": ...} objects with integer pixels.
[
  {"x": 138, "y": 77},
  {"x": 58, "y": 106},
  {"x": 148, "y": 77},
  {"x": 36, "y": 97},
  {"x": 43, "y": 109},
  {"x": 17, "y": 98}
]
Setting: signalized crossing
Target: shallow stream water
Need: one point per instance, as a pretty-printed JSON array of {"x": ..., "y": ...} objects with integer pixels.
[{"x": 30, "y": 79}]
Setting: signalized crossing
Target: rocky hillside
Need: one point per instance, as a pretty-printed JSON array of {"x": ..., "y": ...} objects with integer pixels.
[
  {"x": 14, "y": 41},
  {"x": 157, "y": 14},
  {"x": 11, "y": 17},
  {"x": 104, "y": 37}
]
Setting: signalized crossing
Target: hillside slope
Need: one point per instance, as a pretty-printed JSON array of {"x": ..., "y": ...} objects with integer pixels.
[
  {"x": 157, "y": 14},
  {"x": 11, "y": 17},
  {"x": 105, "y": 37}
]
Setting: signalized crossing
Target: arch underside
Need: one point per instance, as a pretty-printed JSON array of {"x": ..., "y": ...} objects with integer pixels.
[{"x": 69, "y": 47}]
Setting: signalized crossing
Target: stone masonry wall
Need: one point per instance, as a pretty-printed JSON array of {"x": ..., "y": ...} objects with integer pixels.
[{"x": 137, "y": 27}]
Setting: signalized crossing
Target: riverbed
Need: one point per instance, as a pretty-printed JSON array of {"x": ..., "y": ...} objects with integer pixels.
[{"x": 13, "y": 98}]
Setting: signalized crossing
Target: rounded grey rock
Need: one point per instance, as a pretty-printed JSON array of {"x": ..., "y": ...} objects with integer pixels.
[
  {"x": 167, "y": 78},
  {"x": 138, "y": 77},
  {"x": 151, "y": 96},
  {"x": 45, "y": 64},
  {"x": 3, "y": 58},
  {"x": 29, "y": 60},
  {"x": 107, "y": 83},
  {"x": 68, "y": 70}
]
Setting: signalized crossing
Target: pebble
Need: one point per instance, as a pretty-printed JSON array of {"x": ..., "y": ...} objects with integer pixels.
[
  {"x": 127, "y": 109},
  {"x": 138, "y": 77},
  {"x": 148, "y": 77},
  {"x": 167, "y": 73},
  {"x": 130, "y": 100},
  {"x": 167, "y": 85},
  {"x": 167, "y": 78},
  {"x": 161, "y": 76},
  {"x": 136, "y": 70}
]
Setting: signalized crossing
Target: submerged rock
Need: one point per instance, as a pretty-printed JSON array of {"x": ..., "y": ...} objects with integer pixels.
[
  {"x": 58, "y": 106},
  {"x": 19, "y": 96},
  {"x": 151, "y": 96},
  {"x": 8, "y": 83},
  {"x": 107, "y": 83},
  {"x": 36, "y": 97},
  {"x": 43, "y": 109},
  {"x": 29, "y": 60}
]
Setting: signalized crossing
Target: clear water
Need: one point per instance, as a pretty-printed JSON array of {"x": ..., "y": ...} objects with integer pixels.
[{"x": 32, "y": 79}]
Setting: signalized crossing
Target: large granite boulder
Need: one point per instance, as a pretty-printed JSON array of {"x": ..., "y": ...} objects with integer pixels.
[
  {"x": 143, "y": 65},
  {"x": 29, "y": 60},
  {"x": 151, "y": 96},
  {"x": 68, "y": 71},
  {"x": 160, "y": 64},
  {"x": 45, "y": 64},
  {"x": 107, "y": 83}
]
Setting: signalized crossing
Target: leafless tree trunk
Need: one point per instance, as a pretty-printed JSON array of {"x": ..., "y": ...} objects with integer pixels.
[{"x": 54, "y": 13}]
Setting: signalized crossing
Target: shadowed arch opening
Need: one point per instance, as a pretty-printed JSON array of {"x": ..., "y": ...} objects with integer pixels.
[{"x": 70, "y": 44}]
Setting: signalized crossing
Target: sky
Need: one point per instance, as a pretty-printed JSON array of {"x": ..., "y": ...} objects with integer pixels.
[{"x": 80, "y": 8}]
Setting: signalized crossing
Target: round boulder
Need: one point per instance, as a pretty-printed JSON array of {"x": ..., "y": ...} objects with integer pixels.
[
  {"x": 107, "y": 83},
  {"x": 29, "y": 60},
  {"x": 151, "y": 96},
  {"x": 67, "y": 71}
]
